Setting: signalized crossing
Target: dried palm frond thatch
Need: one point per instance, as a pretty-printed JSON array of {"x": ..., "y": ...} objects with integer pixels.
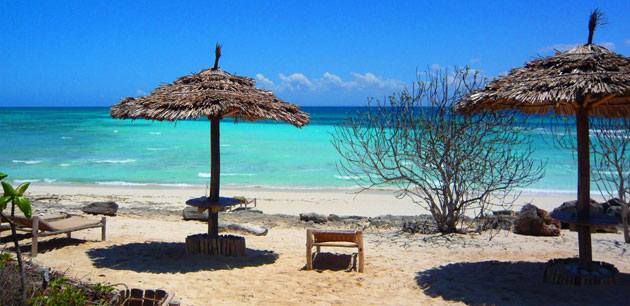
[
  {"x": 587, "y": 76},
  {"x": 210, "y": 93}
]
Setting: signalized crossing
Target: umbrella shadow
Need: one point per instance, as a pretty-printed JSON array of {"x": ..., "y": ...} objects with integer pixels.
[
  {"x": 513, "y": 283},
  {"x": 171, "y": 257},
  {"x": 334, "y": 262}
]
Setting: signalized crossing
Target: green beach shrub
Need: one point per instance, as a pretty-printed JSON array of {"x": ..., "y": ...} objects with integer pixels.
[
  {"x": 448, "y": 163},
  {"x": 15, "y": 196},
  {"x": 61, "y": 294}
]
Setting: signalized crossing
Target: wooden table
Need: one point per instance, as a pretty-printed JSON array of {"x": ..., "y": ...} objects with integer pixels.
[
  {"x": 213, "y": 243},
  {"x": 594, "y": 221}
]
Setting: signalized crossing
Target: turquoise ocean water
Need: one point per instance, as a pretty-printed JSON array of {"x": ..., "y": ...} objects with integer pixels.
[{"x": 84, "y": 145}]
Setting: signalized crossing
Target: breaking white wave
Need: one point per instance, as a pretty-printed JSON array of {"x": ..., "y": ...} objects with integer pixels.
[
  {"x": 66, "y": 137},
  {"x": 202, "y": 174},
  {"x": 24, "y": 181},
  {"x": 115, "y": 161},
  {"x": 155, "y": 133},
  {"x": 28, "y": 162},
  {"x": 237, "y": 174},
  {"x": 65, "y": 165},
  {"x": 156, "y": 149},
  {"x": 347, "y": 178},
  {"x": 120, "y": 183}
]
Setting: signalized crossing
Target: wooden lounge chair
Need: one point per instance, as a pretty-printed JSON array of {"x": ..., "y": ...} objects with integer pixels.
[
  {"x": 21, "y": 221},
  {"x": 54, "y": 225},
  {"x": 244, "y": 202},
  {"x": 333, "y": 238}
]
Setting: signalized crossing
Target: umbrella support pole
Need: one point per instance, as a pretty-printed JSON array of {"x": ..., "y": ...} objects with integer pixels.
[
  {"x": 215, "y": 159},
  {"x": 584, "y": 180},
  {"x": 213, "y": 224}
]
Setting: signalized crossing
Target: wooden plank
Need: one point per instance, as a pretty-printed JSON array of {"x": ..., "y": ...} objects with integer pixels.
[{"x": 336, "y": 245}]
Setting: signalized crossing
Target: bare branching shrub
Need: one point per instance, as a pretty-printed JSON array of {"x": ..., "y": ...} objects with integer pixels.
[
  {"x": 448, "y": 163},
  {"x": 610, "y": 168}
]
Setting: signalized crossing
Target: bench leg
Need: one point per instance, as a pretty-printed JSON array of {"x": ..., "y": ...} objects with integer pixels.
[
  {"x": 361, "y": 260},
  {"x": 104, "y": 221},
  {"x": 361, "y": 255},
  {"x": 309, "y": 250},
  {"x": 69, "y": 234},
  {"x": 34, "y": 233}
]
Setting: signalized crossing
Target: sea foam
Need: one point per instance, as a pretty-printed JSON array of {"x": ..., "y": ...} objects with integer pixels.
[
  {"x": 120, "y": 183},
  {"x": 25, "y": 181},
  {"x": 28, "y": 162},
  {"x": 115, "y": 161}
]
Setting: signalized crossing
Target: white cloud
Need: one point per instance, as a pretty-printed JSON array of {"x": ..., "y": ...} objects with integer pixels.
[
  {"x": 267, "y": 83},
  {"x": 627, "y": 41},
  {"x": 608, "y": 45},
  {"x": 475, "y": 60},
  {"x": 140, "y": 92},
  {"x": 296, "y": 81},
  {"x": 329, "y": 81}
]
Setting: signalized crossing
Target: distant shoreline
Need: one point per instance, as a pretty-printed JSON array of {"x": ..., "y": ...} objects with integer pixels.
[
  {"x": 370, "y": 203},
  {"x": 356, "y": 189}
]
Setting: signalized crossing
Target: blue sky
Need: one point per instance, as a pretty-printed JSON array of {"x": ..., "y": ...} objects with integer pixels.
[{"x": 93, "y": 53}]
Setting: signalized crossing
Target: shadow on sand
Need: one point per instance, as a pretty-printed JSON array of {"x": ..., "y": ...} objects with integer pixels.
[
  {"x": 334, "y": 262},
  {"x": 171, "y": 257},
  {"x": 514, "y": 283},
  {"x": 42, "y": 246}
]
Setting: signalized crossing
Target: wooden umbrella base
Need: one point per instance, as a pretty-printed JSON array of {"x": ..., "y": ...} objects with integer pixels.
[
  {"x": 226, "y": 245},
  {"x": 567, "y": 271}
]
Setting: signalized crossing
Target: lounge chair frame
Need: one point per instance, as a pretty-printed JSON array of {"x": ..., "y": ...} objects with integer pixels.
[
  {"x": 47, "y": 229},
  {"x": 333, "y": 238}
]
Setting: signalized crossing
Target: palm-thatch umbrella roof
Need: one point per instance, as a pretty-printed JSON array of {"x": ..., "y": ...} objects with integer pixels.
[
  {"x": 215, "y": 94},
  {"x": 211, "y": 93},
  {"x": 589, "y": 76},
  {"x": 586, "y": 80}
]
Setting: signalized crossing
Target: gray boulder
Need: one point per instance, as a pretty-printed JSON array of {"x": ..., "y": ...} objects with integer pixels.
[
  {"x": 571, "y": 206},
  {"x": 617, "y": 211},
  {"x": 535, "y": 221},
  {"x": 245, "y": 228},
  {"x": 190, "y": 213},
  {"x": 108, "y": 208},
  {"x": 316, "y": 218},
  {"x": 333, "y": 217}
]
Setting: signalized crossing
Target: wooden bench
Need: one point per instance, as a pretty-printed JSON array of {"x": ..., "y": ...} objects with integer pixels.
[
  {"x": 53, "y": 225},
  {"x": 333, "y": 238}
]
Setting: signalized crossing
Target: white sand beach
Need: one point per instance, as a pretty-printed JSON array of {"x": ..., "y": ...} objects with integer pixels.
[{"x": 146, "y": 250}]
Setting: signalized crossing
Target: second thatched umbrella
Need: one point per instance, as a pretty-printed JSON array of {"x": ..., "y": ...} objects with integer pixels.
[
  {"x": 588, "y": 80},
  {"x": 214, "y": 94}
]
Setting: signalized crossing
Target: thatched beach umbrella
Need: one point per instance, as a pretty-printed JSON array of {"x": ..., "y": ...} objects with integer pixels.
[
  {"x": 588, "y": 80},
  {"x": 214, "y": 94}
]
